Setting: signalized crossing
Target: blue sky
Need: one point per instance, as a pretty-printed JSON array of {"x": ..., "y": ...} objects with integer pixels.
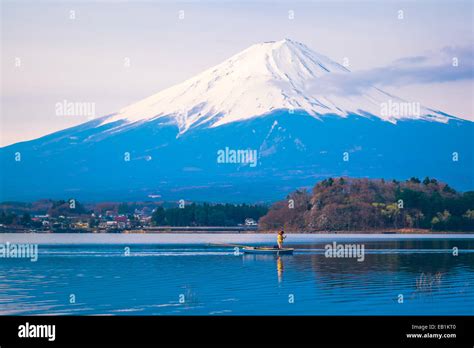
[{"x": 83, "y": 59}]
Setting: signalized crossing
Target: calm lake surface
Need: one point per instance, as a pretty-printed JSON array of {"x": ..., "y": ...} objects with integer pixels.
[{"x": 198, "y": 279}]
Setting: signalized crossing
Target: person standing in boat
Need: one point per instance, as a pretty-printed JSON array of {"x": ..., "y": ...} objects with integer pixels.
[{"x": 281, "y": 236}]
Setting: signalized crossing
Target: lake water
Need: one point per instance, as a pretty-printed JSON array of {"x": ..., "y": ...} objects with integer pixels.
[{"x": 159, "y": 277}]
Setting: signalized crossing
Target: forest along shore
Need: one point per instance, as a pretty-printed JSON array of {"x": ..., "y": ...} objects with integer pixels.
[{"x": 334, "y": 205}]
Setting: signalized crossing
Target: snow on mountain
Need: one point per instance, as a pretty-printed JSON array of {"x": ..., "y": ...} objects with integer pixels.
[{"x": 257, "y": 81}]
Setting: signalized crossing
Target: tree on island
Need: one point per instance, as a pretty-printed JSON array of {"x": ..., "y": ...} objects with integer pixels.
[{"x": 338, "y": 204}]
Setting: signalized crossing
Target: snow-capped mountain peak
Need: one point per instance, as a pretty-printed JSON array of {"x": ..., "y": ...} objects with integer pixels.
[{"x": 260, "y": 79}]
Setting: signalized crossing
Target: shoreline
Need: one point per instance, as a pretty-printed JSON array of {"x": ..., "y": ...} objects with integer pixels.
[
  {"x": 233, "y": 230},
  {"x": 209, "y": 238}
]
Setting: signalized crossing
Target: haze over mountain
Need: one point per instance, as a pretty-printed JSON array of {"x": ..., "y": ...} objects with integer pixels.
[{"x": 274, "y": 98}]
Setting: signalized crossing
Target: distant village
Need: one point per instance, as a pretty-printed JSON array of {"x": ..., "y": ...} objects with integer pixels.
[
  {"x": 72, "y": 217},
  {"x": 108, "y": 222}
]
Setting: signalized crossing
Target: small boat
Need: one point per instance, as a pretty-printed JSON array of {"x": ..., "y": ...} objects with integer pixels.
[{"x": 267, "y": 250}]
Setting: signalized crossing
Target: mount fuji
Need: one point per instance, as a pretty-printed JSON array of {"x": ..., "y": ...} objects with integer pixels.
[{"x": 274, "y": 98}]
